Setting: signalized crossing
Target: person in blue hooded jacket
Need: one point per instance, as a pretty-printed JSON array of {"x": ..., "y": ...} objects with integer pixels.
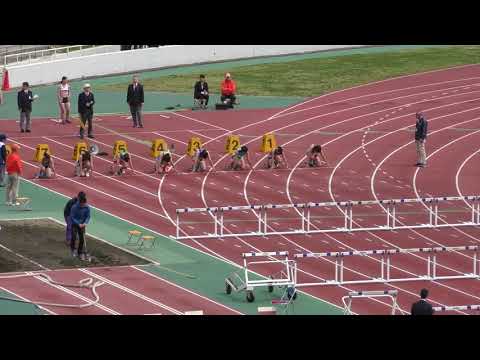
[{"x": 80, "y": 216}]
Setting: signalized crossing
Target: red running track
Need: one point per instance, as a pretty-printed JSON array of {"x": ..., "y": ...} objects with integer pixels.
[
  {"x": 127, "y": 290},
  {"x": 367, "y": 134}
]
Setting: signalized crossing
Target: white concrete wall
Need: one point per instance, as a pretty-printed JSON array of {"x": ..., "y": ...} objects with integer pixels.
[{"x": 146, "y": 59}]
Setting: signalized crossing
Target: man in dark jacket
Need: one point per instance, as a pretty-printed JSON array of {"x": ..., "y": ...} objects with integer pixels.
[
  {"x": 420, "y": 139},
  {"x": 25, "y": 98},
  {"x": 135, "y": 98},
  {"x": 422, "y": 307},
  {"x": 68, "y": 219},
  {"x": 200, "y": 93},
  {"x": 80, "y": 214},
  {"x": 86, "y": 100}
]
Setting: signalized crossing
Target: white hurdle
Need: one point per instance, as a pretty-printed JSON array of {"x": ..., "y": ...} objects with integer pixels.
[
  {"x": 456, "y": 308},
  {"x": 390, "y": 207},
  {"x": 385, "y": 265},
  {"x": 347, "y": 300}
]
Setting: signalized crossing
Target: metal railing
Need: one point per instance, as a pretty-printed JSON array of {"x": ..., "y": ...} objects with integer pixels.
[{"x": 30, "y": 56}]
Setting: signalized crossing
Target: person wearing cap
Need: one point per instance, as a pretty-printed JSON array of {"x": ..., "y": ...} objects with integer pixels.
[
  {"x": 420, "y": 139},
  {"x": 67, "y": 216},
  {"x": 86, "y": 100},
  {"x": 14, "y": 170},
  {"x": 3, "y": 158},
  {"x": 135, "y": 99},
  {"x": 25, "y": 98},
  {"x": 228, "y": 90}
]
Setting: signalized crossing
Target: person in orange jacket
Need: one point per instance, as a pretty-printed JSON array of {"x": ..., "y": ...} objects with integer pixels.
[
  {"x": 228, "y": 90},
  {"x": 14, "y": 170}
]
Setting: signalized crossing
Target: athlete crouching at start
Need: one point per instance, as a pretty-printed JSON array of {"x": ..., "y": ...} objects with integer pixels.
[
  {"x": 276, "y": 158},
  {"x": 314, "y": 153},
  {"x": 200, "y": 161},
  {"x": 121, "y": 161},
  {"x": 239, "y": 159},
  {"x": 164, "y": 163},
  {"x": 84, "y": 165}
]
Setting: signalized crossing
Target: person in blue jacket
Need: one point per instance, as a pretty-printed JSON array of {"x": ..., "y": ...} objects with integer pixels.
[{"x": 80, "y": 215}]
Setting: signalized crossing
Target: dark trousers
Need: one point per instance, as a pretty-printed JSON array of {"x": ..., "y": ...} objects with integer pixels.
[
  {"x": 136, "y": 111},
  {"x": 69, "y": 230},
  {"x": 232, "y": 98},
  {"x": 25, "y": 121},
  {"x": 77, "y": 231},
  {"x": 86, "y": 118},
  {"x": 203, "y": 97}
]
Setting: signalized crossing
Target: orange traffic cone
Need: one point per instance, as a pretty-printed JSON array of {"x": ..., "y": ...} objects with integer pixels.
[{"x": 5, "y": 82}]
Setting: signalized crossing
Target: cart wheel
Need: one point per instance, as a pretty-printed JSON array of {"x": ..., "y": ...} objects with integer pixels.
[
  {"x": 228, "y": 288},
  {"x": 250, "y": 296},
  {"x": 270, "y": 288}
]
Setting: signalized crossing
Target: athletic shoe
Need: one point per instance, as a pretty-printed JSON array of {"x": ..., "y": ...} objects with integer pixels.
[
  {"x": 8, "y": 203},
  {"x": 22, "y": 130},
  {"x": 141, "y": 126},
  {"x": 83, "y": 257},
  {"x": 68, "y": 121},
  {"x": 74, "y": 253},
  {"x": 27, "y": 131},
  {"x": 91, "y": 137},
  {"x": 16, "y": 204}
]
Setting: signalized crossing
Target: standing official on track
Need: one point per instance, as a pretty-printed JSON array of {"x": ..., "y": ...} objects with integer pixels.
[
  {"x": 135, "y": 98},
  {"x": 422, "y": 307},
  {"x": 86, "y": 100},
  {"x": 421, "y": 139}
]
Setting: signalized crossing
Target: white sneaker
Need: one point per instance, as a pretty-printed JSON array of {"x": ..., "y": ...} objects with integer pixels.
[
  {"x": 83, "y": 257},
  {"x": 16, "y": 204},
  {"x": 74, "y": 253},
  {"x": 8, "y": 203}
]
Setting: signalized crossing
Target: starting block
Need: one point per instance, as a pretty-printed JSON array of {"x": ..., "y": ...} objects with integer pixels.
[
  {"x": 119, "y": 145},
  {"x": 40, "y": 151},
  {"x": 269, "y": 143},
  {"x": 233, "y": 142},
  {"x": 158, "y": 146},
  {"x": 77, "y": 150},
  {"x": 193, "y": 145}
]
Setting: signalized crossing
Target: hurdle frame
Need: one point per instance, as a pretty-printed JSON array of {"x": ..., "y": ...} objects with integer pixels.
[
  {"x": 346, "y": 209},
  {"x": 456, "y": 308},
  {"x": 385, "y": 265},
  {"x": 347, "y": 300}
]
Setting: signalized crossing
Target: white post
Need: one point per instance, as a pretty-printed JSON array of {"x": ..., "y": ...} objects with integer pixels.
[
  {"x": 341, "y": 270},
  {"x": 428, "y": 264},
  {"x": 345, "y": 213},
  {"x": 388, "y": 217},
  {"x": 308, "y": 219},
  {"x": 434, "y": 266},
  {"x": 393, "y": 216},
  {"x": 303, "y": 220},
  {"x": 178, "y": 225},
  {"x": 336, "y": 270},
  {"x": 216, "y": 223},
  {"x": 265, "y": 227},
  {"x": 475, "y": 263},
  {"x": 382, "y": 271},
  {"x": 221, "y": 222},
  {"x": 350, "y": 207},
  {"x": 436, "y": 214},
  {"x": 478, "y": 212},
  {"x": 388, "y": 267}
]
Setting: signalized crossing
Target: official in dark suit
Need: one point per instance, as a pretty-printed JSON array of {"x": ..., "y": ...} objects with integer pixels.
[
  {"x": 135, "y": 98},
  {"x": 86, "y": 100},
  {"x": 200, "y": 93},
  {"x": 422, "y": 307},
  {"x": 421, "y": 130},
  {"x": 25, "y": 98}
]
